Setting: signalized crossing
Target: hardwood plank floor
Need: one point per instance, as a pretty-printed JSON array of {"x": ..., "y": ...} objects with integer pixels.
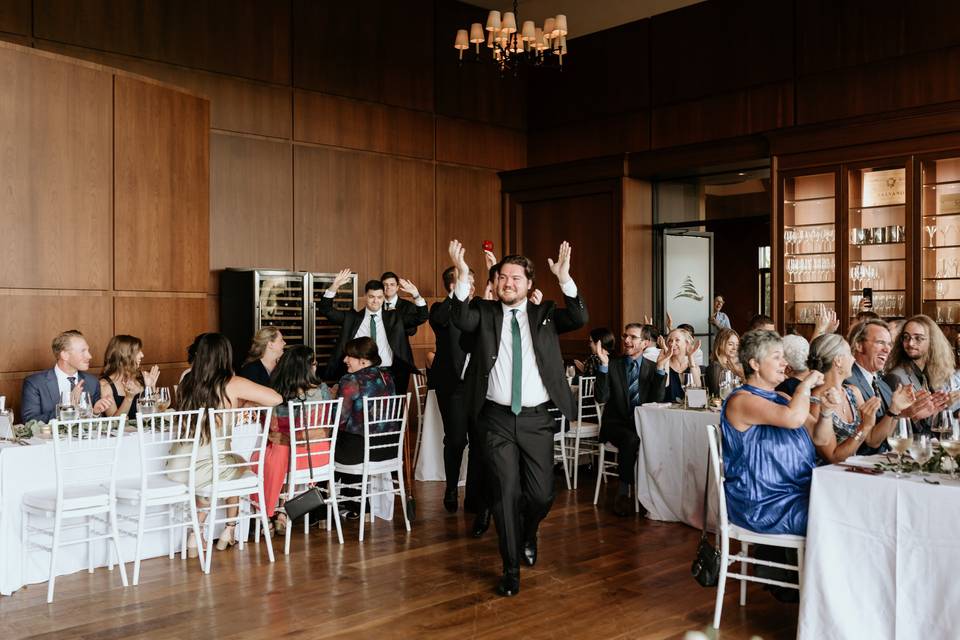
[{"x": 598, "y": 577}]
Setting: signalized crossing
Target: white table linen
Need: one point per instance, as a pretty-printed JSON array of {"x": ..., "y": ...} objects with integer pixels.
[
  {"x": 882, "y": 558},
  {"x": 430, "y": 465},
  {"x": 672, "y": 464}
]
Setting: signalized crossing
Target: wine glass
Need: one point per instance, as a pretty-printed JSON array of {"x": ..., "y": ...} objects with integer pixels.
[
  {"x": 950, "y": 442},
  {"x": 84, "y": 406},
  {"x": 932, "y": 232},
  {"x": 921, "y": 450},
  {"x": 163, "y": 399},
  {"x": 899, "y": 440}
]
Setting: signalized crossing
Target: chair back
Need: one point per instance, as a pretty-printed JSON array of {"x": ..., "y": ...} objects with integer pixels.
[
  {"x": 558, "y": 416},
  {"x": 587, "y": 408},
  {"x": 420, "y": 391},
  {"x": 715, "y": 468},
  {"x": 313, "y": 415},
  {"x": 86, "y": 452},
  {"x": 235, "y": 435},
  {"x": 384, "y": 423},
  {"x": 159, "y": 434}
]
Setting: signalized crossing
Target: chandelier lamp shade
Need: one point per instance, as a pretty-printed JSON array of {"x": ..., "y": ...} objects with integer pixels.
[{"x": 511, "y": 48}]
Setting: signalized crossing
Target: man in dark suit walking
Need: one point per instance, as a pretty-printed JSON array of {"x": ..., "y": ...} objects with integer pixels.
[
  {"x": 388, "y": 330},
  {"x": 624, "y": 383},
  {"x": 515, "y": 371},
  {"x": 42, "y": 391}
]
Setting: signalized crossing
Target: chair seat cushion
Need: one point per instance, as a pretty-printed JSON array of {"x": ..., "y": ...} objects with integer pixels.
[
  {"x": 772, "y": 539},
  {"x": 73, "y": 498},
  {"x": 157, "y": 487},
  {"x": 246, "y": 482},
  {"x": 583, "y": 427}
]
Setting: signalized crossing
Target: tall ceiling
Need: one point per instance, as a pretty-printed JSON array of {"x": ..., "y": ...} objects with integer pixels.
[{"x": 585, "y": 16}]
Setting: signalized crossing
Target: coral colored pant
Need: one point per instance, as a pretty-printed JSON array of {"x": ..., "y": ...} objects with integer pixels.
[{"x": 276, "y": 465}]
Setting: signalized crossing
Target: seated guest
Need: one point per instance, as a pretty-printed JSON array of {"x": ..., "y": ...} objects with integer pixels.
[
  {"x": 121, "y": 372},
  {"x": 681, "y": 347},
  {"x": 42, "y": 391},
  {"x": 191, "y": 354},
  {"x": 265, "y": 352},
  {"x": 624, "y": 383},
  {"x": 768, "y": 445},
  {"x": 294, "y": 379},
  {"x": 796, "y": 349},
  {"x": 761, "y": 322},
  {"x": 724, "y": 359},
  {"x": 921, "y": 357},
  {"x": 589, "y": 367},
  {"x": 698, "y": 352},
  {"x": 211, "y": 384},
  {"x": 364, "y": 379},
  {"x": 651, "y": 341}
]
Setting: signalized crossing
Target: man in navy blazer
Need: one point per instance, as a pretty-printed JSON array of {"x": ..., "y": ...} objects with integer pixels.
[{"x": 42, "y": 391}]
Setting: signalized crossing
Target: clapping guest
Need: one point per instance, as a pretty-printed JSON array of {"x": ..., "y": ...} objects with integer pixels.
[
  {"x": 681, "y": 347},
  {"x": 42, "y": 391},
  {"x": 294, "y": 379},
  {"x": 121, "y": 378},
  {"x": 724, "y": 359},
  {"x": 591, "y": 365},
  {"x": 211, "y": 384},
  {"x": 796, "y": 350},
  {"x": 697, "y": 352},
  {"x": 265, "y": 352}
]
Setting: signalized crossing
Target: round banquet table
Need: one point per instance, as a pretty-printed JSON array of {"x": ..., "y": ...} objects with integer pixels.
[{"x": 430, "y": 464}]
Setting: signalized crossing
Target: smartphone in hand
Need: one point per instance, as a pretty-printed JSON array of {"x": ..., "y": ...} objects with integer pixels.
[{"x": 868, "y": 297}]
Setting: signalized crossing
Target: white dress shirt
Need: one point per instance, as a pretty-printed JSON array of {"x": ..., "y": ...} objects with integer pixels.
[
  {"x": 63, "y": 383},
  {"x": 651, "y": 353},
  {"x": 499, "y": 387},
  {"x": 383, "y": 345},
  {"x": 866, "y": 374},
  {"x": 419, "y": 301}
]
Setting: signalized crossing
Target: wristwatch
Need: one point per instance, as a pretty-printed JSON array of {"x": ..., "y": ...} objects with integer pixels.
[{"x": 891, "y": 414}]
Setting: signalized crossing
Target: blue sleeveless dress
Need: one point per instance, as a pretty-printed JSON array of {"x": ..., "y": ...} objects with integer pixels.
[{"x": 768, "y": 471}]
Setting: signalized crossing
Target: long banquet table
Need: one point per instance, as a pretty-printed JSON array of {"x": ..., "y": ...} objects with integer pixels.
[
  {"x": 672, "y": 464},
  {"x": 430, "y": 464},
  {"x": 882, "y": 558}
]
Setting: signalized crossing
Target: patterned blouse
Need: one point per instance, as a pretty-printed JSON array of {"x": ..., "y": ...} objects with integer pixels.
[{"x": 369, "y": 382}]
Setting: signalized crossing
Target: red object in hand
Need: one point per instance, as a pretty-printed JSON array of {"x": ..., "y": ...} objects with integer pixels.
[{"x": 488, "y": 245}]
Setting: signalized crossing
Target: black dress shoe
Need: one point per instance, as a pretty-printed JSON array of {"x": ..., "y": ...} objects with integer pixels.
[
  {"x": 621, "y": 505},
  {"x": 530, "y": 552},
  {"x": 481, "y": 523},
  {"x": 450, "y": 500},
  {"x": 509, "y": 584}
]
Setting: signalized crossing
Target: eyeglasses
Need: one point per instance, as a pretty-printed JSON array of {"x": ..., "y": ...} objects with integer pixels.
[
  {"x": 918, "y": 338},
  {"x": 630, "y": 335}
]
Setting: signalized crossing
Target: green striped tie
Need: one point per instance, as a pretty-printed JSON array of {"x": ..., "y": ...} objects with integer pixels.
[{"x": 516, "y": 400}]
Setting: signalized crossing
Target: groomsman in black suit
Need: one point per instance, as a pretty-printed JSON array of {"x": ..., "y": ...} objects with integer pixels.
[
  {"x": 392, "y": 301},
  {"x": 388, "y": 330},
  {"x": 515, "y": 371},
  {"x": 624, "y": 383}
]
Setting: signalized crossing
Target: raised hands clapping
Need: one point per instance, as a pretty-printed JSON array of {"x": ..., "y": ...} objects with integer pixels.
[{"x": 561, "y": 268}]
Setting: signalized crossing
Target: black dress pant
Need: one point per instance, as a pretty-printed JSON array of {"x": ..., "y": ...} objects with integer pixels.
[
  {"x": 519, "y": 452},
  {"x": 458, "y": 431},
  {"x": 477, "y": 498},
  {"x": 624, "y": 437}
]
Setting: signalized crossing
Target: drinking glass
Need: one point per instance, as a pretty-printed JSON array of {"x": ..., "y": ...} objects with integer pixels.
[
  {"x": 163, "y": 398},
  {"x": 932, "y": 232},
  {"x": 66, "y": 410},
  {"x": 950, "y": 442},
  {"x": 147, "y": 402},
  {"x": 84, "y": 406},
  {"x": 899, "y": 441},
  {"x": 687, "y": 383},
  {"x": 921, "y": 450}
]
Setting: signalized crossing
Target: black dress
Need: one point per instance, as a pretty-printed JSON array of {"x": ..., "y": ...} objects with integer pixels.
[
  {"x": 255, "y": 372},
  {"x": 118, "y": 399}
]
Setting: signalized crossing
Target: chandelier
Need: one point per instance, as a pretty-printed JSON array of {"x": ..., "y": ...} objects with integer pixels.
[{"x": 511, "y": 48}]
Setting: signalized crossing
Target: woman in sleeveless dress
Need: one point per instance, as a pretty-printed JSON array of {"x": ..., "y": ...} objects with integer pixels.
[{"x": 122, "y": 378}]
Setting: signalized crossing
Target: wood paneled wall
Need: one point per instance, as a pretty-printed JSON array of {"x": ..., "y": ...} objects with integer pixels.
[{"x": 105, "y": 177}]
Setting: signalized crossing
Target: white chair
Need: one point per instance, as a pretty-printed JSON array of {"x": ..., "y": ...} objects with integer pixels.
[
  {"x": 230, "y": 430},
  {"x": 559, "y": 446},
  {"x": 610, "y": 468},
  {"x": 420, "y": 392},
  {"x": 153, "y": 490},
  {"x": 86, "y": 454},
  {"x": 313, "y": 415},
  {"x": 746, "y": 537},
  {"x": 390, "y": 411},
  {"x": 585, "y": 430}
]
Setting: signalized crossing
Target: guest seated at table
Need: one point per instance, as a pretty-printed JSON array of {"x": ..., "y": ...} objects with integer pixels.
[
  {"x": 591, "y": 365},
  {"x": 724, "y": 360},
  {"x": 294, "y": 379},
  {"x": 698, "y": 352},
  {"x": 761, "y": 322},
  {"x": 42, "y": 391},
  {"x": 265, "y": 352},
  {"x": 681, "y": 346},
  {"x": 211, "y": 384},
  {"x": 624, "y": 383},
  {"x": 121, "y": 378},
  {"x": 191, "y": 354},
  {"x": 796, "y": 349},
  {"x": 364, "y": 379},
  {"x": 651, "y": 339}
]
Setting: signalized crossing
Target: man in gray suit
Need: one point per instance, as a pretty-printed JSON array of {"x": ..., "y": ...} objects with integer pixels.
[{"x": 42, "y": 391}]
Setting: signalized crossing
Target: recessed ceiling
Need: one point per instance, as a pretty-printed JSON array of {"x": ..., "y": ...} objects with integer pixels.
[{"x": 585, "y": 16}]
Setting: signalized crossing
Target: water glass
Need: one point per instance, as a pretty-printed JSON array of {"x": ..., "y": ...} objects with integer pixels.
[
  {"x": 899, "y": 441},
  {"x": 84, "y": 406},
  {"x": 921, "y": 450}
]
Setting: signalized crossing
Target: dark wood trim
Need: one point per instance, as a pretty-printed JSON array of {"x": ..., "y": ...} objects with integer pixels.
[
  {"x": 664, "y": 163},
  {"x": 578, "y": 171}
]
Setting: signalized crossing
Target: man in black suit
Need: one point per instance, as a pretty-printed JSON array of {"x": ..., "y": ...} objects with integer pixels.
[
  {"x": 392, "y": 301},
  {"x": 624, "y": 383},
  {"x": 42, "y": 391},
  {"x": 388, "y": 330},
  {"x": 515, "y": 371}
]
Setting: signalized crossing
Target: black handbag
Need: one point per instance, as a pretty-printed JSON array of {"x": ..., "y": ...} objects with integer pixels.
[
  {"x": 311, "y": 499},
  {"x": 706, "y": 564}
]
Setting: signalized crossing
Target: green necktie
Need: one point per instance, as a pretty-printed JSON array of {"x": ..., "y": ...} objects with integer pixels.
[
  {"x": 516, "y": 389},
  {"x": 373, "y": 327}
]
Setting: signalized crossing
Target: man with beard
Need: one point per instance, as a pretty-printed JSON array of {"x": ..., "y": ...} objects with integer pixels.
[{"x": 516, "y": 370}]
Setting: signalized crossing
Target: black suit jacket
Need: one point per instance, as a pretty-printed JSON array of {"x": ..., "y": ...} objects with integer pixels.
[
  {"x": 449, "y": 358},
  {"x": 611, "y": 389},
  {"x": 393, "y": 323},
  {"x": 482, "y": 321},
  {"x": 413, "y": 316}
]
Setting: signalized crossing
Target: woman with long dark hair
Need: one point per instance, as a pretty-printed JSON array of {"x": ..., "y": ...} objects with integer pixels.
[
  {"x": 211, "y": 384},
  {"x": 294, "y": 379},
  {"x": 122, "y": 378}
]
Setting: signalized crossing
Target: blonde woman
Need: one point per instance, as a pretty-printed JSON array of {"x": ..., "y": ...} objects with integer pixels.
[
  {"x": 264, "y": 355},
  {"x": 122, "y": 378},
  {"x": 723, "y": 358},
  {"x": 682, "y": 346}
]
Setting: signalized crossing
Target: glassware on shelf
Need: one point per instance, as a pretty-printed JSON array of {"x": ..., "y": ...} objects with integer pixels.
[{"x": 932, "y": 232}]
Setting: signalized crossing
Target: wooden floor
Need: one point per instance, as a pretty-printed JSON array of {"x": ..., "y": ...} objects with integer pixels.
[{"x": 598, "y": 577}]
